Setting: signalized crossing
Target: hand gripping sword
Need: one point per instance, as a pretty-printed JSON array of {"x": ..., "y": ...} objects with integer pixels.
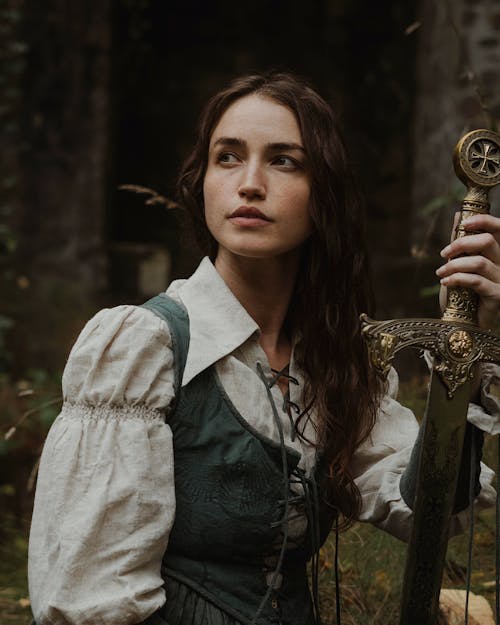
[{"x": 456, "y": 342}]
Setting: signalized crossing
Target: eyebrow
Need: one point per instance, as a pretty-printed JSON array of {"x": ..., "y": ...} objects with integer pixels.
[{"x": 274, "y": 147}]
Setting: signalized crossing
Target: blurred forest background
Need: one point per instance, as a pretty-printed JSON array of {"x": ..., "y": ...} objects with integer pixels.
[{"x": 96, "y": 94}]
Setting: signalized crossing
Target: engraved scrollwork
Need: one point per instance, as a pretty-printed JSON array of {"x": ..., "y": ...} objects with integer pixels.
[
  {"x": 453, "y": 374},
  {"x": 462, "y": 299},
  {"x": 461, "y": 305},
  {"x": 382, "y": 348}
]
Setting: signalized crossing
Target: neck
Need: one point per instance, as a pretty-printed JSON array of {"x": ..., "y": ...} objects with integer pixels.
[{"x": 264, "y": 287}]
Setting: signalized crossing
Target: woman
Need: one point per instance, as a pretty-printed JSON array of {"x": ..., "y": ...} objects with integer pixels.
[{"x": 276, "y": 422}]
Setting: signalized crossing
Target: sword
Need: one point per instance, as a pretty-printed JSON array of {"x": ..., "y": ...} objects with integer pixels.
[{"x": 456, "y": 343}]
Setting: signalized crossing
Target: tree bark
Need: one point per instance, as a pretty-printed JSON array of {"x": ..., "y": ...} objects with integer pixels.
[
  {"x": 458, "y": 73},
  {"x": 61, "y": 195},
  {"x": 66, "y": 114}
]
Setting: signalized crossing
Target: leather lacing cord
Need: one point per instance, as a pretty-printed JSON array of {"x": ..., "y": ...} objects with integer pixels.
[
  {"x": 284, "y": 521},
  {"x": 310, "y": 498},
  {"x": 288, "y": 405},
  {"x": 312, "y": 511}
]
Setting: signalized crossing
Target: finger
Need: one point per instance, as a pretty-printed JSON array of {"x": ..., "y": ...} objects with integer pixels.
[
  {"x": 483, "y": 223},
  {"x": 484, "y": 244},
  {"x": 471, "y": 264},
  {"x": 482, "y": 286}
]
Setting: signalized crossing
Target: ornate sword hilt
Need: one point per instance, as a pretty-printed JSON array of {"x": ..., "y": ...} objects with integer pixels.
[
  {"x": 477, "y": 163},
  {"x": 455, "y": 340}
]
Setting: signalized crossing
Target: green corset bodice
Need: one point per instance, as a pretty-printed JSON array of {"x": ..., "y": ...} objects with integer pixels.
[{"x": 233, "y": 495}]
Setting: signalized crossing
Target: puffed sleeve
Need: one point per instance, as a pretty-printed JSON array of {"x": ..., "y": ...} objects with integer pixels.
[
  {"x": 105, "y": 500},
  {"x": 380, "y": 462}
]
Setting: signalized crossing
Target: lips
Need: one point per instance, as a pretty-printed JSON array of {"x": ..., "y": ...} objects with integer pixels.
[{"x": 248, "y": 212}]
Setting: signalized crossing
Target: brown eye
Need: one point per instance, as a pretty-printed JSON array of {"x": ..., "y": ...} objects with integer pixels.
[
  {"x": 227, "y": 157},
  {"x": 287, "y": 162}
]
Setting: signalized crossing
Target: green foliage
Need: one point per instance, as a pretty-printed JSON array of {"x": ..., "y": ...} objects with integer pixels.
[
  {"x": 413, "y": 395},
  {"x": 28, "y": 407},
  {"x": 431, "y": 214},
  {"x": 14, "y": 602},
  {"x": 443, "y": 202},
  {"x": 5, "y": 324},
  {"x": 430, "y": 291}
]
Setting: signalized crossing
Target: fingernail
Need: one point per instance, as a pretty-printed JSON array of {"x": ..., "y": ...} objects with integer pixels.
[
  {"x": 439, "y": 271},
  {"x": 445, "y": 251},
  {"x": 444, "y": 281}
]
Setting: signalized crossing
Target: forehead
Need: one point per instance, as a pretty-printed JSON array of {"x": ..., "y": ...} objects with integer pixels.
[{"x": 256, "y": 118}]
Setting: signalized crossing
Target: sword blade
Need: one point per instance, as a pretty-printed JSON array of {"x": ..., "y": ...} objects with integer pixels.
[{"x": 441, "y": 453}]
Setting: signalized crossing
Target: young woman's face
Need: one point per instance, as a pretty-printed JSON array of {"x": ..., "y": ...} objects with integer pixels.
[{"x": 257, "y": 187}]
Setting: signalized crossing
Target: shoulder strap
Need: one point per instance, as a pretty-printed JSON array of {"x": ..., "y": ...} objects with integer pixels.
[{"x": 178, "y": 322}]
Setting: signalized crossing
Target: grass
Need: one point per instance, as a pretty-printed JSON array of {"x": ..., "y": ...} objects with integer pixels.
[
  {"x": 372, "y": 566},
  {"x": 14, "y": 601}
]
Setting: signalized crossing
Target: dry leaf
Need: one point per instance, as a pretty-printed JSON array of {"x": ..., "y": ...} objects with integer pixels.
[
  {"x": 412, "y": 28},
  {"x": 156, "y": 198}
]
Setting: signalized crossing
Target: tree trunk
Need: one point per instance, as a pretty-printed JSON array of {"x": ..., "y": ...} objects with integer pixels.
[
  {"x": 62, "y": 223},
  {"x": 458, "y": 73},
  {"x": 62, "y": 195}
]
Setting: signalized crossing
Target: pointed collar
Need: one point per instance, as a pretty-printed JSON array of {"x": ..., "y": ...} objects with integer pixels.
[{"x": 218, "y": 323}]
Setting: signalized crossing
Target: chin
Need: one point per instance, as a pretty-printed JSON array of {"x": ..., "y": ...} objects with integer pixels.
[
  {"x": 259, "y": 247},
  {"x": 260, "y": 252}
]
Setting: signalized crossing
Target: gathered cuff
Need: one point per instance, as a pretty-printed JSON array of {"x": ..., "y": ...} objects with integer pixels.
[{"x": 103, "y": 412}]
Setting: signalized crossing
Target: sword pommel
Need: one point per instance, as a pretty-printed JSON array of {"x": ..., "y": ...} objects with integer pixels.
[{"x": 477, "y": 159}]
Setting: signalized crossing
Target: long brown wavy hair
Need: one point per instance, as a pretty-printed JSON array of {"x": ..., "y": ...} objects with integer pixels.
[{"x": 332, "y": 287}]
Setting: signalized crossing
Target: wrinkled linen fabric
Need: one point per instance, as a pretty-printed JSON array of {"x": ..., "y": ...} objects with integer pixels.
[
  {"x": 105, "y": 500},
  {"x": 105, "y": 493}
]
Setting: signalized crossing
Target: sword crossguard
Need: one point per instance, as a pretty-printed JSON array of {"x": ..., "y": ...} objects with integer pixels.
[
  {"x": 455, "y": 340},
  {"x": 455, "y": 347}
]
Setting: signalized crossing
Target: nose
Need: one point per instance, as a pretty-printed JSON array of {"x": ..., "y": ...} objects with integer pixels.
[{"x": 252, "y": 184}]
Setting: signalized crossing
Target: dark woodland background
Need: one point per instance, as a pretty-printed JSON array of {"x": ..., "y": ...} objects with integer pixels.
[{"x": 95, "y": 94}]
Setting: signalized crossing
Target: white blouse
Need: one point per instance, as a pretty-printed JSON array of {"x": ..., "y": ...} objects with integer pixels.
[{"x": 105, "y": 498}]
